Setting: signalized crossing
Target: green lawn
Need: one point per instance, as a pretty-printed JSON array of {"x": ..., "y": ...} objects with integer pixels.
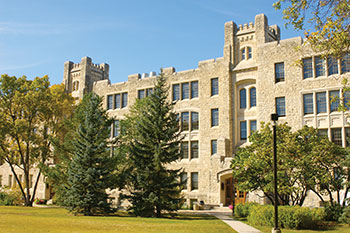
[
  {"x": 51, "y": 220},
  {"x": 328, "y": 228}
]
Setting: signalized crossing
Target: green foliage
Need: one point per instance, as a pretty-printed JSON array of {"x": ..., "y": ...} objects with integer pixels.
[
  {"x": 6, "y": 199},
  {"x": 11, "y": 197},
  {"x": 31, "y": 112},
  {"x": 329, "y": 21},
  {"x": 333, "y": 212},
  {"x": 242, "y": 210},
  {"x": 292, "y": 217},
  {"x": 345, "y": 217},
  {"x": 305, "y": 162},
  {"x": 90, "y": 172},
  {"x": 151, "y": 139}
]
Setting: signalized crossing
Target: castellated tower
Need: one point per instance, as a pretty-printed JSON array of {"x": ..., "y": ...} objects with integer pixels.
[
  {"x": 247, "y": 36},
  {"x": 79, "y": 78}
]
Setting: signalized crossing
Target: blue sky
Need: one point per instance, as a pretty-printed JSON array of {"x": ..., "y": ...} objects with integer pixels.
[{"x": 37, "y": 37}]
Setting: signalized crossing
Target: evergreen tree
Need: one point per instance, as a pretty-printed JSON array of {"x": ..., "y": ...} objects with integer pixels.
[
  {"x": 90, "y": 172},
  {"x": 151, "y": 136}
]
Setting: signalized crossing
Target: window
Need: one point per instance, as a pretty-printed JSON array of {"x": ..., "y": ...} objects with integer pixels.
[
  {"x": 0, "y": 180},
  {"x": 183, "y": 179},
  {"x": 346, "y": 96},
  {"x": 124, "y": 100},
  {"x": 319, "y": 66},
  {"x": 185, "y": 121},
  {"x": 116, "y": 128},
  {"x": 323, "y": 133},
  {"x": 10, "y": 181},
  {"x": 176, "y": 92},
  {"x": 307, "y": 68},
  {"x": 334, "y": 100},
  {"x": 308, "y": 104},
  {"x": 280, "y": 106},
  {"x": 30, "y": 181},
  {"x": 194, "y": 121},
  {"x": 250, "y": 54},
  {"x": 141, "y": 94},
  {"x": 184, "y": 150},
  {"x": 279, "y": 72},
  {"x": 194, "y": 89},
  {"x": 75, "y": 85},
  {"x": 214, "y": 86},
  {"x": 109, "y": 101},
  {"x": 185, "y": 91},
  {"x": 242, "y": 98},
  {"x": 243, "y": 54},
  {"x": 252, "y": 97},
  {"x": 336, "y": 136},
  {"x": 321, "y": 102},
  {"x": 253, "y": 126},
  {"x": 345, "y": 64},
  {"x": 194, "y": 180},
  {"x": 117, "y": 101},
  {"x": 149, "y": 91},
  {"x": 214, "y": 147},
  {"x": 347, "y": 137},
  {"x": 214, "y": 117},
  {"x": 332, "y": 64},
  {"x": 194, "y": 149},
  {"x": 243, "y": 130}
]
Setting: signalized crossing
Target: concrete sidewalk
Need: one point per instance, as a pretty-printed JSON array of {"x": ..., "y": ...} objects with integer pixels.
[{"x": 225, "y": 216}]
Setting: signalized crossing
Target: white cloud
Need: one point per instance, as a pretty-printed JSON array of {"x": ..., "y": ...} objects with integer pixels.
[{"x": 19, "y": 67}]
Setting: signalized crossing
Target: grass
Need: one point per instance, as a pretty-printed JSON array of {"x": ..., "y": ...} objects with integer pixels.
[
  {"x": 329, "y": 227},
  {"x": 59, "y": 220}
]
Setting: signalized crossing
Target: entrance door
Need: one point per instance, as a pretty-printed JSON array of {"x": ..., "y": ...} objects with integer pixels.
[{"x": 230, "y": 190}]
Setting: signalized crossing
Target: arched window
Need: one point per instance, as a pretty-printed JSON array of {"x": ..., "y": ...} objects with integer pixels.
[
  {"x": 243, "y": 54},
  {"x": 242, "y": 98},
  {"x": 252, "y": 97},
  {"x": 250, "y": 53},
  {"x": 75, "y": 85}
]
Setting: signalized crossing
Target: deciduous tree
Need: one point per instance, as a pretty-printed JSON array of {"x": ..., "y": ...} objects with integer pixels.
[
  {"x": 328, "y": 20},
  {"x": 31, "y": 112}
]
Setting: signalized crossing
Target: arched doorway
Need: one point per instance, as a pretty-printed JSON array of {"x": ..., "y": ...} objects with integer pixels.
[
  {"x": 232, "y": 193},
  {"x": 228, "y": 190}
]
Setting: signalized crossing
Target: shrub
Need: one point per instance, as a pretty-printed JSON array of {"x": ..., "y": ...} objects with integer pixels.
[
  {"x": 333, "y": 212},
  {"x": 10, "y": 197},
  {"x": 243, "y": 209},
  {"x": 293, "y": 217},
  {"x": 345, "y": 217}
]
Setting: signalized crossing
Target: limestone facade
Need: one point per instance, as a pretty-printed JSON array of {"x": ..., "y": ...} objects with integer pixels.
[{"x": 255, "y": 64}]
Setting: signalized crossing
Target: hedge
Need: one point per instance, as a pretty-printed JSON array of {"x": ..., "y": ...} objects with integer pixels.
[{"x": 293, "y": 217}]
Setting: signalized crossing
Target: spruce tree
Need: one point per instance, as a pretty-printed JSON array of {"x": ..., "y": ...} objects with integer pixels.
[
  {"x": 152, "y": 138},
  {"x": 90, "y": 172}
]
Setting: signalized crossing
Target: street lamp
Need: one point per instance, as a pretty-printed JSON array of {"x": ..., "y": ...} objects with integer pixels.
[{"x": 274, "y": 118}]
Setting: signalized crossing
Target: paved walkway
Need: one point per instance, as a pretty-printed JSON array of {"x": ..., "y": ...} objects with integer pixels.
[{"x": 225, "y": 216}]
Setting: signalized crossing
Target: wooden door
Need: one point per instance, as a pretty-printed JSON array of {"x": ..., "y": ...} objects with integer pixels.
[{"x": 230, "y": 191}]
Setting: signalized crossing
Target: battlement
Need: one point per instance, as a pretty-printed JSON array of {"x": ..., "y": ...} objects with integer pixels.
[
  {"x": 245, "y": 28},
  {"x": 86, "y": 61}
]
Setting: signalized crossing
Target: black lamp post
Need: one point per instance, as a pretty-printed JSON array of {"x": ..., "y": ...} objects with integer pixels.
[{"x": 274, "y": 118}]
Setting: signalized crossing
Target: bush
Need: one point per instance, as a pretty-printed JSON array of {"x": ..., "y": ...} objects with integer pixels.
[
  {"x": 333, "y": 212},
  {"x": 345, "y": 217},
  {"x": 242, "y": 209},
  {"x": 10, "y": 197},
  {"x": 293, "y": 217}
]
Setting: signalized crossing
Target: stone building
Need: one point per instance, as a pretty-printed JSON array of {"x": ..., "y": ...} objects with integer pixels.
[{"x": 223, "y": 100}]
